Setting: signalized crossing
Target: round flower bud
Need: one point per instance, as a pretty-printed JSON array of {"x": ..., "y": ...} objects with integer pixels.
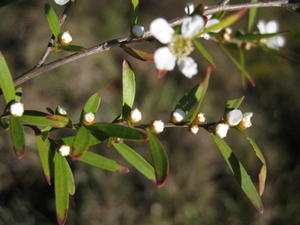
[
  {"x": 226, "y": 37},
  {"x": 200, "y": 118},
  {"x": 135, "y": 116},
  {"x": 247, "y": 46},
  {"x": 65, "y": 38},
  {"x": 221, "y": 130},
  {"x": 189, "y": 8},
  {"x": 177, "y": 116},
  {"x": 246, "y": 121},
  {"x": 138, "y": 31},
  {"x": 64, "y": 150},
  {"x": 89, "y": 118},
  {"x": 228, "y": 31},
  {"x": 157, "y": 126},
  {"x": 194, "y": 128},
  {"x": 61, "y": 2},
  {"x": 17, "y": 109},
  {"x": 62, "y": 110},
  {"x": 233, "y": 117}
]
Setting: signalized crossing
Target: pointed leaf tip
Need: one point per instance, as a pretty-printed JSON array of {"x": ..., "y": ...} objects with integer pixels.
[
  {"x": 21, "y": 154},
  {"x": 62, "y": 221},
  {"x": 124, "y": 170}
]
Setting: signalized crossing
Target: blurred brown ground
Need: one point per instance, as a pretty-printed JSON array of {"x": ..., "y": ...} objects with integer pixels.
[{"x": 200, "y": 189}]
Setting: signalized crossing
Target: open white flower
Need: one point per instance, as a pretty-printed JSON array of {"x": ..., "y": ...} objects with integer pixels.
[
  {"x": 179, "y": 46},
  {"x": 272, "y": 26},
  {"x": 61, "y": 2},
  {"x": 246, "y": 121}
]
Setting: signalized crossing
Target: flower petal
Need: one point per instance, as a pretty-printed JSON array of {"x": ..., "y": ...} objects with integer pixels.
[
  {"x": 164, "y": 59},
  {"x": 192, "y": 26},
  {"x": 161, "y": 30},
  {"x": 61, "y": 2},
  {"x": 275, "y": 42},
  {"x": 261, "y": 25},
  {"x": 211, "y": 23},
  {"x": 272, "y": 26},
  {"x": 187, "y": 66}
]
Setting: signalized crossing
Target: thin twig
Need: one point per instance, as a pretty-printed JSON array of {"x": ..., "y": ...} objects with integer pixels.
[{"x": 105, "y": 46}]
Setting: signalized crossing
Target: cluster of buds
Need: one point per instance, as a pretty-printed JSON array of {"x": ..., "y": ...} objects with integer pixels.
[
  {"x": 232, "y": 119},
  {"x": 200, "y": 119},
  {"x": 226, "y": 34}
]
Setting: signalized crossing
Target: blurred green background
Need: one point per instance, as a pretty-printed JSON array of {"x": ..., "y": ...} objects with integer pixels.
[{"x": 200, "y": 189}]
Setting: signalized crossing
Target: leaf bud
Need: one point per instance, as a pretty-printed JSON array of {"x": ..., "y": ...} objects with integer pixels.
[{"x": 17, "y": 109}]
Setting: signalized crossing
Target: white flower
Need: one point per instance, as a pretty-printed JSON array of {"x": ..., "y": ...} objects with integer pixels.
[
  {"x": 194, "y": 129},
  {"x": 200, "y": 118},
  {"x": 17, "y": 109},
  {"x": 189, "y": 8},
  {"x": 135, "y": 116},
  {"x": 179, "y": 46},
  {"x": 61, "y": 2},
  {"x": 64, "y": 150},
  {"x": 177, "y": 116},
  {"x": 65, "y": 38},
  {"x": 89, "y": 117},
  {"x": 221, "y": 130},
  {"x": 272, "y": 26},
  {"x": 138, "y": 31},
  {"x": 246, "y": 121},
  {"x": 62, "y": 110},
  {"x": 234, "y": 117},
  {"x": 157, "y": 126}
]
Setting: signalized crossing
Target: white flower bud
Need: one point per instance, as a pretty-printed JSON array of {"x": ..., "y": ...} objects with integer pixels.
[
  {"x": 135, "y": 116},
  {"x": 200, "y": 118},
  {"x": 189, "y": 8},
  {"x": 157, "y": 126},
  {"x": 234, "y": 117},
  {"x": 221, "y": 130},
  {"x": 61, "y": 2},
  {"x": 65, "y": 38},
  {"x": 62, "y": 110},
  {"x": 64, "y": 150},
  {"x": 17, "y": 109},
  {"x": 138, "y": 31},
  {"x": 194, "y": 129},
  {"x": 89, "y": 117},
  {"x": 177, "y": 116},
  {"x": 246, "y": 121}
]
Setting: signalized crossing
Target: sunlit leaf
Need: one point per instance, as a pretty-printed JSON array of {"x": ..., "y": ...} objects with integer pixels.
[
  {"x": 136, "y": 160},
  {"x": 204, "y": 52},
  {"x": 81, "y": 142},
  {"x": 252, "y": 16},
  {"x": 71, "y": 182},
  {"x": 160, "y": 160},
  {"x": 102, "y": 162},
  {"x": 52, "y": 20},
  {"x": 128, "y": 88},
  {"x": 17, "y": 136},
  {"x": 241, "y": 175},
  {"x": 6, "y": 81},
  {"x": 138, "y": 54},
  {"x": 70, "y": 139},
  {"x": 92, "y": 104},
  {"x": 234, "y": 103}
]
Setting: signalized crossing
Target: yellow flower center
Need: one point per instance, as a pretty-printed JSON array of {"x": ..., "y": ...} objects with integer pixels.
[{"x": 181, "y": 46}]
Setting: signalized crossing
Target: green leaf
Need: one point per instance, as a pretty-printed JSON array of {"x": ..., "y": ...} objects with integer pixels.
[
  {"x": 6, "y": 81},
  {"x": 136, "y": 160},
  {"x": 17, "y": 136},
  {"x": 241, "y": 175},
  {"x": 61, "y": 188},
  {"x": 103, "y": 131},
  {"x": 102, "y": 162},
  {"x": 45, "y": 155},
  {"x": 224, "y": 23},
  {"x": 70, "y": 139},
  {"x": 128, "y": 88},
  {"x": 43, "y": 119},
  {"x": 262, "y": 176},
  {"x": 72, "y": 48},
  {"x": 242, "y": 62},
  {"x": 160, "y": 160},
  {"x": 138, "y": 54},
  {"x": 70, "y": 178},
  {"x": 204, "y": 52},
  {"x": 19, "y": 93},
  {"x": 252, "y": 16},
  {"x": 81, "y": 142},
  {"x": 239, "y": 66},
  {"x": 93, "y": 103},
  {"x": 52, "y": 20},
  {"x": 233, "y": 103},
  {"x": 134, "y": 12}
]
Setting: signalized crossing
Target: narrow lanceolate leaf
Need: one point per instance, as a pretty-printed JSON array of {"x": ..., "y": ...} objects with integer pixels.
[
  {"x": 194, "y": 96},
  {"x": 43, "y": 119},
  {"x": 93, "y": 103},
  {"x": 138, "y": 54},
  {"x": 136, "y": 160},
  {"x": 240, "y": 173},
  {"x": 239, "y": 66},
  {"x": 262, "y": 176},
  {"x": 52, "y": 20},
  {"x": 128, "y": 88},
  {"x": 45, "y": 155},
  {"x": 204, "y": 52},
  {"x": 6, "y": 81},
  {"x": 134, "y": 11},
  {"x": 81, "y": 142},
  {"x": 160, "y": 160},
  {"x": 72, "y": 48},
  {"x": 103, "y": 162},
  {"x": 17, "y": 136},
  {"x": 234, "y": 103},
  {"x": 225, "y": 22},
  {"x": 70, "y": 177},
  {"x": 252, "y": 16},
  {"x": 103, "y": 131},
  {"x": 70, "y": 140},
  {"x": 61, "y": 188}
]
